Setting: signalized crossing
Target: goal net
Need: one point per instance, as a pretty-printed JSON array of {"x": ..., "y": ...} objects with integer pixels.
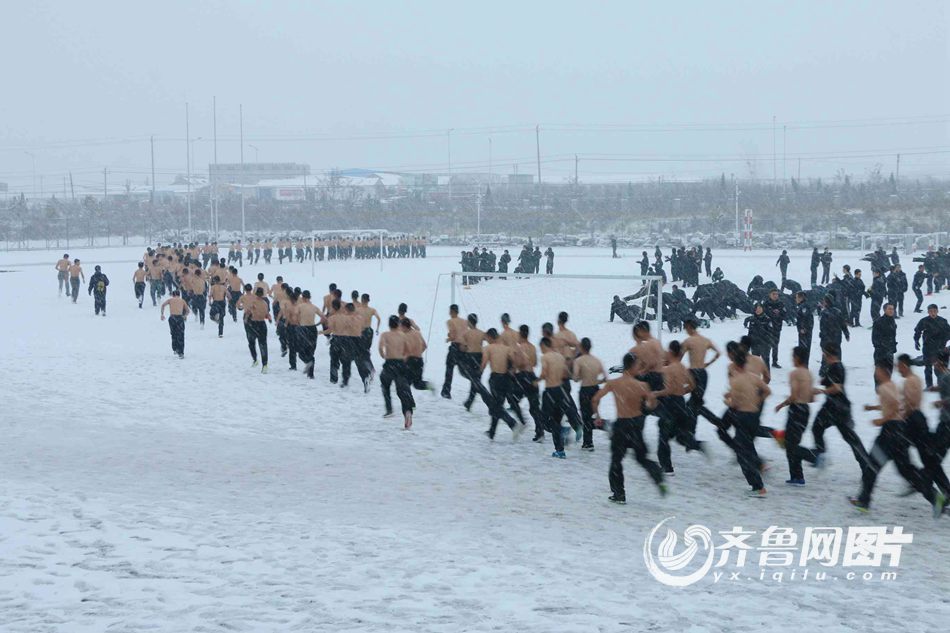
[{"x": 589, "y": 300}]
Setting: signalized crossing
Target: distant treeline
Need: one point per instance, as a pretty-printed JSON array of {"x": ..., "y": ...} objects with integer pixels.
[{"x": 875, "y": 203}]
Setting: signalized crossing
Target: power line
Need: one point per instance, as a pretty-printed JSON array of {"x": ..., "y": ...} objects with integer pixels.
[{"x": 512, "y": 129}]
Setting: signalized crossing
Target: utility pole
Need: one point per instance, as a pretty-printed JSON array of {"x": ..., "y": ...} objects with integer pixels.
[
  {"x": 211, "y": 180},
  {"x": 897, "y": 174},
  {"x": 774, "y": 156},
  {"x": 105, "y": 196},
  {"x": 152, "y": 143},
  {"x": 151, "y": 198},
  {"x": 575, "y": 170},
  {"x": 537, "y": 141},
  {"x": 478, "y": 213},
  {"x": 799, "y": 171},
  {"x": 73, "y": 192},
  {"x": 243, "y": 218},
  {"x": 489, "y": 160},
  {"x": 736, "y": 182},
  {"x": 784, "y": 160},
  {"x": 188, "y": 164},
  {"x": 448, "y": 141},
  {"x": 33, "y": 157}
]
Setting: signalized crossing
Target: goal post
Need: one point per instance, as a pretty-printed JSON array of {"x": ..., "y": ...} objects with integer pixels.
[
  {"x": 909, "y": 240},
  {"x": 378, "y": 233},
  {"x": 508, "y": 291}
]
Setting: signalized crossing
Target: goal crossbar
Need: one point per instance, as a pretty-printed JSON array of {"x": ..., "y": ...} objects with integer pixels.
[{"x": 648, "y": 279}]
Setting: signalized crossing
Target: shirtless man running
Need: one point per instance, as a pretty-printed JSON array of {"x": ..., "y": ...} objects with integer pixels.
[
  {"x": 802, "y": 394},
  {"x": 62, "y": 274},
  {"x": 630, "y": 397},
  {"x": 392, "y": 348},
  {"x": 138, "y": 281},
  {"x": 697, "y": 348},
  {"x": 747, "y": 391},
  {"x": 178, "y": 310}
]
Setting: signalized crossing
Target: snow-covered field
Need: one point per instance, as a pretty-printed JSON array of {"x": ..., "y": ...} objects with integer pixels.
[{"x": 141, "y": 492}]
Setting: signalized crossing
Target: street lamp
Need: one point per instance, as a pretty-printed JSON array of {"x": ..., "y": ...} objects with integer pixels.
[
  {"x": 190, "y": 142},
  {"x": 254, "y": 147}
]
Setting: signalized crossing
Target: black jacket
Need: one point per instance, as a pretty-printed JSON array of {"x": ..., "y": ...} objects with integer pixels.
[
  {"x": 815, "y": 259},
  {"x": 919, "y": 278},
  {"x": 804, "y": 319},
  {"x": 760, "y": 331},
  {"x": 884, "y": 335},
  {"x": 98, "y": 282},
  {"x": 935, "y": 332},
  {"x": 902, "y": 281},
  {"x": 776, "y": 312},
  {"x": 831, "y": 326},
  {"x": 895, "y": 285},
  {"x": 878, "y": 289},
  {"x": 856, "y": 289}
]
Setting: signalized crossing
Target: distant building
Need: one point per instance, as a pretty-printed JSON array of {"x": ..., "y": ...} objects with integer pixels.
[
  {"x": 520, "y": 179},
  {"x": 253, "y": 173}
]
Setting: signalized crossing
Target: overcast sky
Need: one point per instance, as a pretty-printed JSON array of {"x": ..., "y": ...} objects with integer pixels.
[{"x": 378, "y": 84}]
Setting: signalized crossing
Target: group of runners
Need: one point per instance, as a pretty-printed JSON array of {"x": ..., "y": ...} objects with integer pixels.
[{"x": 669, "y": 383}]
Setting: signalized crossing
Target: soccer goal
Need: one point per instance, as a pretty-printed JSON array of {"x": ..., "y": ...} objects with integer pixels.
[
  {"x": 534, "y": 299},
  {"x": 378, "y": 234},
  {"x": 910, "y": 242}
]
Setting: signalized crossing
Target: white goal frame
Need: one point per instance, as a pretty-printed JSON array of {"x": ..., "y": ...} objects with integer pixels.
[
  {"x": 647, "y": 279},
  {"x": 870, "y": 235},
  {"x": 344, "y": 232}
]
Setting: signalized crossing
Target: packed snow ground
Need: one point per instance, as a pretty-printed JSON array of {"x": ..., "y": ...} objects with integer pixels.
[{"x": 140, "y": 492}]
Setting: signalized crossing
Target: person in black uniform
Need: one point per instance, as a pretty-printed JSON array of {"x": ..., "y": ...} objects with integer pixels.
[
  {"x": 775, "y": 309},
  {"x": 759, "y": 325},
  {"x": 804, "y": 323},
  {"x": 877, "y": 293},
  {"x": 782, "y": 263},
  {"x": 900, "y": 289},
  {"x": 836, "y": 409},
  {"x": 855, "y": 294},
  {"x": 831, "y": 327},
  {"x": 815, "y": 260},
  {"x": 503, "y": 262},
  {"x": 919, "y": 278},
  {"x": 935, "y": 331},
  {"x": 707, "y": 261},
  {"x": 549, "y": 265},
  {"x": 826, "y": 266},
  {"x": 627, "y": 313},
  {"x": 644, "y": 264},
  {"x": 884, "y": 336}
]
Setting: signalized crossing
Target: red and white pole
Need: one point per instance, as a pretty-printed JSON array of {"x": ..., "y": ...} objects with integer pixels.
[{"x": 747, "y": 232}]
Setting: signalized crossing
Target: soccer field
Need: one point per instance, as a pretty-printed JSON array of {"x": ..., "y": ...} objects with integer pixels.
[{"x": 143, "y": 492}]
